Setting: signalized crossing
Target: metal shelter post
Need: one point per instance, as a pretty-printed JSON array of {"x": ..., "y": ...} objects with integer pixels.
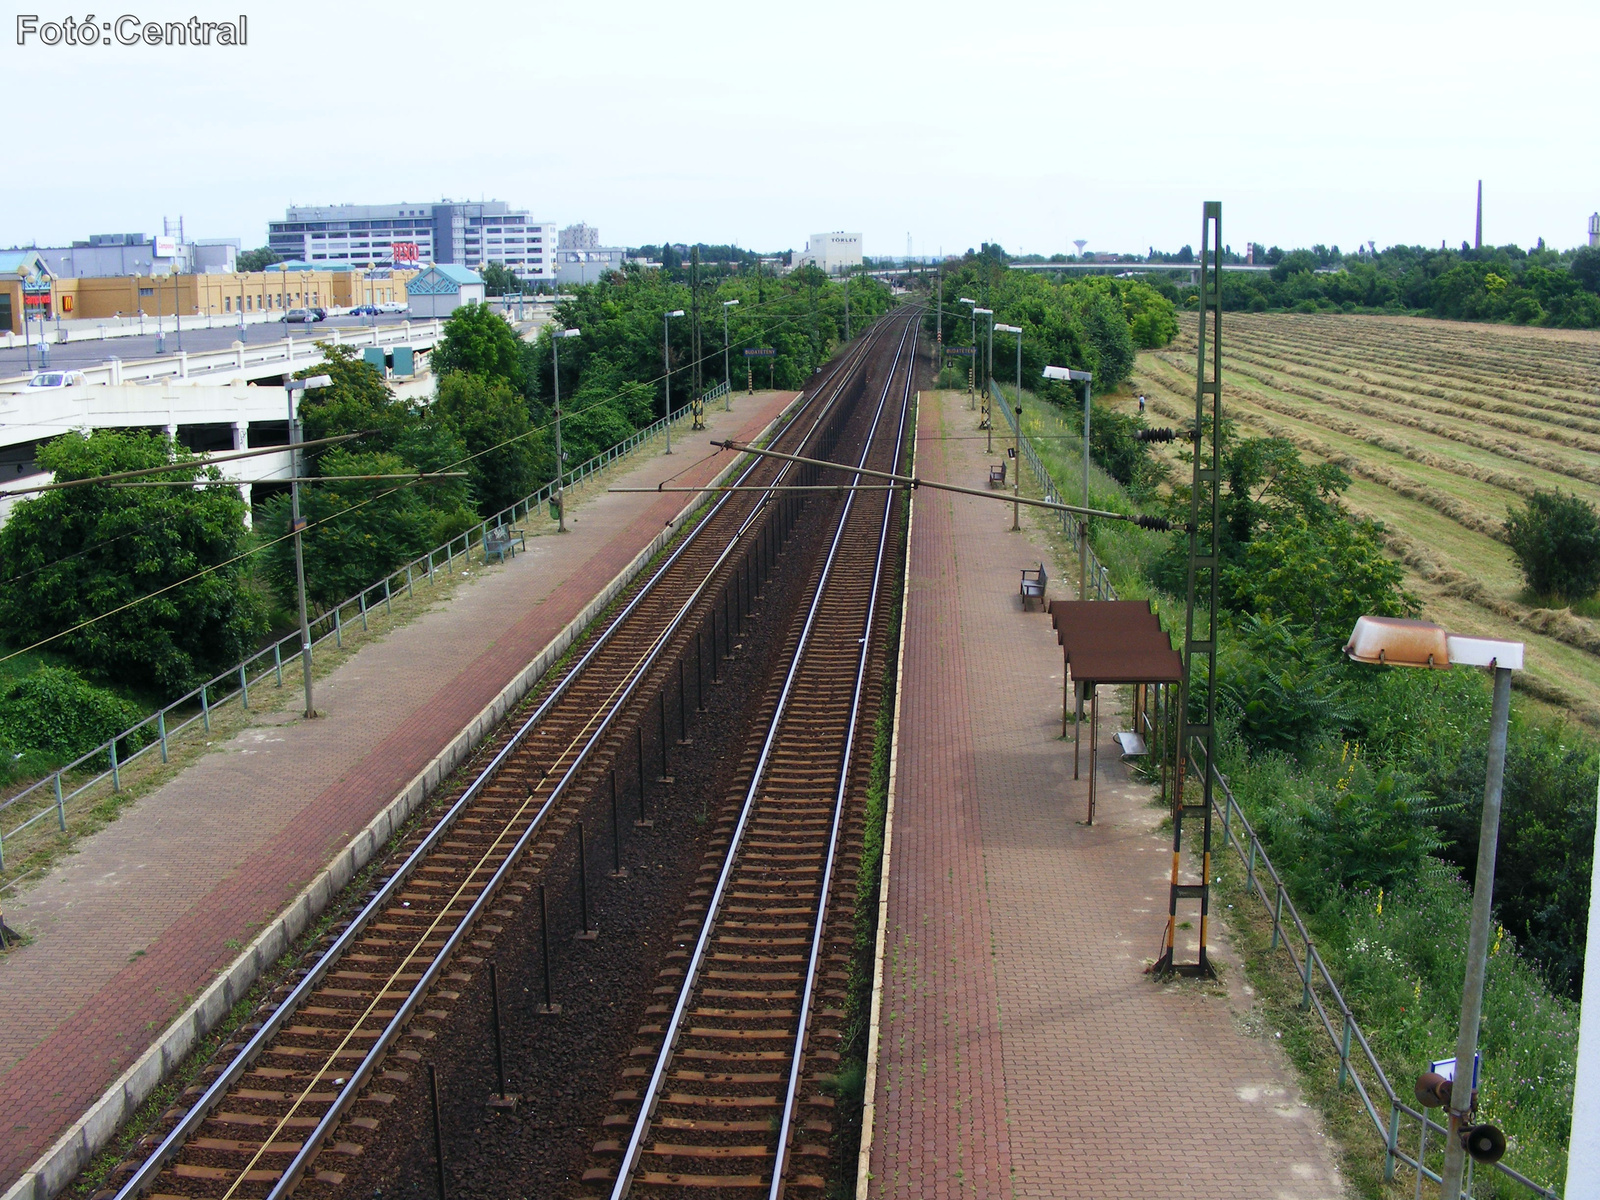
[{"x": 1198, "y": 732}]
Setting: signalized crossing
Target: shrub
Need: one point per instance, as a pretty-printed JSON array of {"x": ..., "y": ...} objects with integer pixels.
[
  {"x": 1285, "y": 694},
  {"x": 55, "y": 713},
  {"x": 1320, "y": 576},
  {"x": 1556, "y": 538}
]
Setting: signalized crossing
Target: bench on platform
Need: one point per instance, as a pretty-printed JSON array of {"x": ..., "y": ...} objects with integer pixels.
[
  {"x": 997, "y": 475},
  {"x": 498, "y": 543},
  {"x": 1033, "y": 584}
]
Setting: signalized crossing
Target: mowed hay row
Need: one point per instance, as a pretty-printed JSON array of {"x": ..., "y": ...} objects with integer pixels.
[
  {"x": 1419, "y": 369},
  {"x": 1501, "y": 354},
  {"x": 1577, "y": 466},
  {"x": 1442, "y": 558},
  {"x": 1363, "y": 398},
  {"x": 1312, "y": 365}
]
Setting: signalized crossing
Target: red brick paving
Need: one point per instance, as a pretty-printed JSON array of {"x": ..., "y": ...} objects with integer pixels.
[
  {"x": 1024, "y": 1052},
  {"x": 140, "y": 918}
]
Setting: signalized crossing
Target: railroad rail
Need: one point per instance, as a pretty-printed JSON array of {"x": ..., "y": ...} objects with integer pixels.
[
  {"x": 276, "y": 1113},
  {"x": 745, "y": 1045}
]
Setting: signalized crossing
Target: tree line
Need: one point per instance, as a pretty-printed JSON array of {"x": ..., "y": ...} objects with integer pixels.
[{"x": 1096, "y": 324}]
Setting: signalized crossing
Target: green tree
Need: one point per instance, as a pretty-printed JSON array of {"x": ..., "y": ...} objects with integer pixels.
[
  {"x": 357, "y": 401},
  {"x": 480, "y": 341},
  {"x": 1586, "y": 268},
  {"x": 1320, "y": 576},
  {"x": 1285, "y": 693},
  {"x": 492, "y": 422},
  {"x": 499, "y": 280},
  {"x": 259, "y": 259},
  {"x": 77, "y": 554},
  {"x": 1556, "y": 538},
  {"x": 358, "y": 529}
]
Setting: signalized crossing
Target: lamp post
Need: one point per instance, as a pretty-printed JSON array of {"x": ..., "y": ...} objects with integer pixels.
[
  {"x": 727, "y": 384},
  {"x": 666, "y": 363},
  {"x": 292, "y": 388},
  {"x": 561, "y": 465},
  {"x": 1085, "y": 378},
  {"x": 1401, "y": 643},
  {"x": 1016, "y": 479}
]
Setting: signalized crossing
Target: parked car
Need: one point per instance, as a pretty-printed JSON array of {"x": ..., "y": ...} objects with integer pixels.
[
  {"x": 299, "y": 316},
  {"x": 394, "y": 306},
  {"x": 364, "y": 310},
  {"x": 319, "y": 312},
  {"x": 56, "y": 379}
]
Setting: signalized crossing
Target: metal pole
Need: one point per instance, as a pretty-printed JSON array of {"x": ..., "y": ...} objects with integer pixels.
[
  {"x": 548, "y": 1006},
  {"x": 438, "y": 1130},
  {"x": 499, "y": 1048},
  {"x": 586, "y": 934},
  {"x": 295, "y": 524},
  {"x": 1455, "y": 1155},
  {"x": 618, "y": 871},
  {"x": 1016, "y": 474},
  {"x": 561, "y": 467},
  {"x": 666, "y": 376},
  {"x": 1083, "y": 525}
]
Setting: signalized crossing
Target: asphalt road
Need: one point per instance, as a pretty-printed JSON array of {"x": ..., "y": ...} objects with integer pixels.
[{"x": 94, "y": 352}]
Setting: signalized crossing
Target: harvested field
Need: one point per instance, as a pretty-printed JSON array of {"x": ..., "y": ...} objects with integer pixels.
[{"x": 1442, "y": 426}]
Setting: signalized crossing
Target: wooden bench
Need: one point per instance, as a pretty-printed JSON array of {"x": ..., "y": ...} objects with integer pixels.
[
  {"x": 498, "y": 543},
  {"x": 997, "y": 475},
  {"x": 1033, "y": 585}
]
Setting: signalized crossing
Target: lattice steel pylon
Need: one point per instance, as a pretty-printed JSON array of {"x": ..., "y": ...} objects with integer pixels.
[{"x": 1197, "y": 740}]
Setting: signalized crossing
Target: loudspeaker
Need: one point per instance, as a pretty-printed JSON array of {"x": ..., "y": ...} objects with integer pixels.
[
  {"x": 1433, "y": 1090},
  {"x": 1483, "y": 1143}
]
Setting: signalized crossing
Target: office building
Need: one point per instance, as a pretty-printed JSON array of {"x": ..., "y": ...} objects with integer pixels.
[
  {"x": 579, "y": 237},
  {"x": 580, "y": 258},
  {"x": 469, "y": 234}
]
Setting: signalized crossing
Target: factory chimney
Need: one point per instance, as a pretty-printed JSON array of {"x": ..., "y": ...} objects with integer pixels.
[{"x": 1477, "y": 241}]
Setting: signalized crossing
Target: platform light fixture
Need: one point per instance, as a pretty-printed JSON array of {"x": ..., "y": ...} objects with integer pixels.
[
  {"x": 561, "y": 458},
  {"x": 1086, "y": 378},
  {"x": 666, "y": 364},
  {"x": 295, "y": 388},
  {"x": 1394, "y": 642}
]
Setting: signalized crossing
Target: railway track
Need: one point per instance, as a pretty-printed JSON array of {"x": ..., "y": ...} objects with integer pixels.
[
  {"x": 298, "y": 1099},
  {"x": 735, "y": 1099}
]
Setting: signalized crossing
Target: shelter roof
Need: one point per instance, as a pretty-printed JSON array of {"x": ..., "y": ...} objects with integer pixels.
[{"x": 1114, "y": 641}]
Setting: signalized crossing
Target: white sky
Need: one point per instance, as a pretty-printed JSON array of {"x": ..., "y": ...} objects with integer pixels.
[{"x": 1030, "y": 123}]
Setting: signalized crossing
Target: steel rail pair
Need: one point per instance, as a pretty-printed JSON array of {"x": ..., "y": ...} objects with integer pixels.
[
  {"x": 831, "y": 388},
  {"x": 673, "y": 1030}
]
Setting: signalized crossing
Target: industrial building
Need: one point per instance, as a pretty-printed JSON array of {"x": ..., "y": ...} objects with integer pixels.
[
  {"x": 470, "y": 234},
  {"x": 832, "y": 252}
]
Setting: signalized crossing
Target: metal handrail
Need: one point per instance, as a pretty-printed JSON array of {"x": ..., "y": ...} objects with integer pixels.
[
  {"x": 1309, "y": 964},
  {"x": 236, "y": 681},
  {"x": 1099, "y": 577}
]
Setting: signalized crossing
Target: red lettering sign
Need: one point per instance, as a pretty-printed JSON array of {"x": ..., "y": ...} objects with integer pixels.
[{"x": 404, "y": 251}]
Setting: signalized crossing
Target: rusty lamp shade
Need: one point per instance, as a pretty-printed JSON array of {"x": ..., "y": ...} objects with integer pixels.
[{"x": 1397, "y": 642}]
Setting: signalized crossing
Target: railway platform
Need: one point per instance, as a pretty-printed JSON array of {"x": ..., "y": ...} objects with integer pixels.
[
  {"x": 145, "y": 913},
  {"x": 1022, "y": 1051}
]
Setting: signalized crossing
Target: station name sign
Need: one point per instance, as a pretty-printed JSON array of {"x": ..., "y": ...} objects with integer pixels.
[{"x": 760, "y": 352}]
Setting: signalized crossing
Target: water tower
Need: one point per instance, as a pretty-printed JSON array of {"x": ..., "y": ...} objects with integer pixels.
[
  {"x": 1080, "y": 243},
  {"x": 1594, "y": 230}
]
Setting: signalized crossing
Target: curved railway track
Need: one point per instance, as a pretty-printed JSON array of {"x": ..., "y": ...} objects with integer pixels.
[
  {"x": 283, "y": 1110},
  {"x": 735, "y": 1101}
]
